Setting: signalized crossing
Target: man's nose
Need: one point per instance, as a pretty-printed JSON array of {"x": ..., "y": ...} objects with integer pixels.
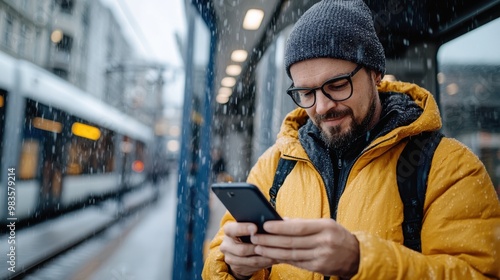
[{"x": 323, "y": 103}]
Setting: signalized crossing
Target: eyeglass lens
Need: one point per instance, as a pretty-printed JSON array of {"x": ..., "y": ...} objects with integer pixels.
[{"x": 338, "y": 89}]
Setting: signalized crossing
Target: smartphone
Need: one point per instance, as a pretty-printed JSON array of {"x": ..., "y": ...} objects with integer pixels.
[{"x": 246, "y": 203}]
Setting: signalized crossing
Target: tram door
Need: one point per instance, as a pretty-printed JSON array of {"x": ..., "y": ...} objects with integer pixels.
[
  {"x": 42, "y": 152},
  {"x": 52, "y": 172},
  {"x": 126, "y": 148}
]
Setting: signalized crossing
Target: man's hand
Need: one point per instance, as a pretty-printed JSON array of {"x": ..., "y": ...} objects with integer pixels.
[
  {"x": 241, "y": 257},
  {"x": 319, "y": 245}
]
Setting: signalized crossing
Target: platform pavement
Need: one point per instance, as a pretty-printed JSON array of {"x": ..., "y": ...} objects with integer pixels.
[{"x": 147, "y": 250}]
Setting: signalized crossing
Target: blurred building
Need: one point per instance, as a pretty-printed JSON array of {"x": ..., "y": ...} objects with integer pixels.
[
  {"x": 24, "y": 31},
  {"x": 83, "y": 42}
]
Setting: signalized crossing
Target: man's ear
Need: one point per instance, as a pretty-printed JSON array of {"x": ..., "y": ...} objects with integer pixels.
[{"x": 376, "y": 76}]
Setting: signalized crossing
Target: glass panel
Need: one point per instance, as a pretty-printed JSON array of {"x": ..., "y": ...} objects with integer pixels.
[
  {"x": 90, "y": 156},
  {"x": 42, "y": 141},
  {"x": 469, "y": 81},
  {"x": 28, "y": 163},
  {"x": 272, "y": 104}
]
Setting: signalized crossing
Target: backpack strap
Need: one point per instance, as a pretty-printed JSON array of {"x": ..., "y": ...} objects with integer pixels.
[
  {"x": 412, "y": 171},
  {"x": 285, "y": 166}
]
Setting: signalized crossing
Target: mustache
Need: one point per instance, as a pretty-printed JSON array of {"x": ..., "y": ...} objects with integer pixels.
[{"x": 333, "y": 114}]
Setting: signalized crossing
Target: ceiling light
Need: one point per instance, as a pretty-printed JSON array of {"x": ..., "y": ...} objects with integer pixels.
[
  {"x": 452, "y": 89},
  {"x": 228, "y": 82},
  {"x": 173, "y": 145},
  {"x": 441, "y": 78},
  {"x": 239, "y": 55},
  {"x": 253, "y": 19},
  {"x": 233, "y": 70},
  {"x": 174, "y": 131},
  {"x": 222, "y": 99},
  {"x": 225, "y": 91}
]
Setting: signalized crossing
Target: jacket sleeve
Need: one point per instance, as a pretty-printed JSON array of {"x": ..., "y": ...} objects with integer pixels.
[
  {"x": 261, "y": 175},
  {"x": 461, "y": 227}
]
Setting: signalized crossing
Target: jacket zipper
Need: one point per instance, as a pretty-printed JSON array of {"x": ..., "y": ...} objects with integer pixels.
[{"x": 345, "y": 176}]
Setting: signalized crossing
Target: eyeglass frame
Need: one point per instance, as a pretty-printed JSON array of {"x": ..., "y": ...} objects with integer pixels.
[{"x": 348, "y": 77}]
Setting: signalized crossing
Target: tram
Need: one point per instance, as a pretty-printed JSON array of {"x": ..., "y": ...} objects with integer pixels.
[{"x": 62, "y": 149}]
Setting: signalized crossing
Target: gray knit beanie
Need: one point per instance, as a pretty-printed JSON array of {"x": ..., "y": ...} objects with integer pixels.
[{"x": 341, "y": 29}]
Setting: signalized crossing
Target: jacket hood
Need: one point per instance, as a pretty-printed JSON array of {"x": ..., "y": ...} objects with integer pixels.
[{"x": 429, "y": 120}]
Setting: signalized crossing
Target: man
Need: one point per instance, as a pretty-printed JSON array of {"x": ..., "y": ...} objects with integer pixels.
[{"x": 342, "y": 201}]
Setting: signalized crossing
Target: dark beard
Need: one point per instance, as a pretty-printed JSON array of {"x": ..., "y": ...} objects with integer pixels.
[{"x": 341, "y": 142}]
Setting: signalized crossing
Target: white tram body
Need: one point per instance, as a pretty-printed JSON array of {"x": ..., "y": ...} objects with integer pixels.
[{"x": 66, "y": 147}]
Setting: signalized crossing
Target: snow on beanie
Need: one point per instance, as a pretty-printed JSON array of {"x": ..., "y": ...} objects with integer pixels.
[{"x": 341, "y": 29}]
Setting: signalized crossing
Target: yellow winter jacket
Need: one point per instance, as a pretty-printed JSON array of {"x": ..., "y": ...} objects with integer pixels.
[{"x": 461, "y": 227}]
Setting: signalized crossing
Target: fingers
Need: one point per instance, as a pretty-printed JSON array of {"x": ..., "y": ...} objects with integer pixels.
[
  {"x": 240, "y": 256},
  {"x": 232, "y": 246},
  {"x": 285, "y": 254},
  {"x": 239, "y": 229},
  {"x": 246, "y": 266},
  {"x": 322, "y": 246},
  {"x": 298, "y": 227},
  {"x": 254, "y": 262},
  {"x": 319, "y": 245},
  {"x": 298, "y": 233},
  {"x": 314, "y": 259},
  {"x": 231, "y": 243},
  {"x": 286, "y": 241}
]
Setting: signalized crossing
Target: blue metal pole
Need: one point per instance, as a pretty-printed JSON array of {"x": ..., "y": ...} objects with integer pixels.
[
  {"x": 193, "y": 189},
  {"x": 181, "y": 254},
  {"x": 203, "y": 179}
]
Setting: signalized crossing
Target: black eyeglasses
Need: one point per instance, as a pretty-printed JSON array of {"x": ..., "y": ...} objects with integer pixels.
[{"x": 336, "y": 89}]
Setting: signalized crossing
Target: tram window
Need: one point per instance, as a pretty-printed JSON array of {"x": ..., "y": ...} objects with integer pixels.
[
  {"x": 88, "y": 156},
  {"x": 28, "y": 163},
  {"x": 469, "y": 83},
  {"x": 140, "y": 151},
  {"x": 42, "y": 140},
  {"x": 140, "y": 157}
]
